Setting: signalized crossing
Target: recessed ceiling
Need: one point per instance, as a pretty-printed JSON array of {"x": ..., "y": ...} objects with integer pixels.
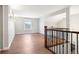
[{"x": 35, "y": 11}]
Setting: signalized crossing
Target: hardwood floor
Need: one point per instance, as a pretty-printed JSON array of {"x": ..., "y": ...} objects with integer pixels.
[{"x": 27, "y": 44}]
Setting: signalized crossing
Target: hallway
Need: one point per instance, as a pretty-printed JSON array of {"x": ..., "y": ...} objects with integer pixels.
[{"x": 28, "y": 44}]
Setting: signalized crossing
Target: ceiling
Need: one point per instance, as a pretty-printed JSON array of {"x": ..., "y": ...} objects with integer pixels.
[
  {"x": 35, "y": 11},
  {"x": 38, "y": 11}
]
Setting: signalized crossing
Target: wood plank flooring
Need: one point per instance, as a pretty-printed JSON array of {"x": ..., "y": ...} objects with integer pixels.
[{"x": 28, "y": 44}]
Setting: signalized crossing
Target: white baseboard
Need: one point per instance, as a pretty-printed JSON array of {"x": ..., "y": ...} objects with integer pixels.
[{"x": 27, "y": 33}]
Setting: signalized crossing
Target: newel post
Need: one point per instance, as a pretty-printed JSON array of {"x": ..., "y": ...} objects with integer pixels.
[{"x": 45, "y": 36}]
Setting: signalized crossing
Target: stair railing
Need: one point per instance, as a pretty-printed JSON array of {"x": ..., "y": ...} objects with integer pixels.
[{"x": 61, "y": 40}]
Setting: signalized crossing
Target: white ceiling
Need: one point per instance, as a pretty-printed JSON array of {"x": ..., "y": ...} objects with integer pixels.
[{"x": 35, "y": 11}]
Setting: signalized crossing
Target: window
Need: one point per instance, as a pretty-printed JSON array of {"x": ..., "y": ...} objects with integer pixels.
[{"x": 28, "y": 25}]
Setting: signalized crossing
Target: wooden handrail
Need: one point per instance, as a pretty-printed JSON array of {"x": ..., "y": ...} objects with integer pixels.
[{"x": 61, "y": 30}]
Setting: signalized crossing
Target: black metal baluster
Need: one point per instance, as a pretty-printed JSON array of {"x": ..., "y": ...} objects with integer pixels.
[
  {"x": 71, "y": 43},
  {"x": 59, "y": 45},
  {"x": 47, "y": 39},
  {"x": 77, "y": 43},
  {"x": 56, "y": 41},
  {"x": 49, "y": 33},
  {"x": 67, "y": 42},
  {"x": 52, "y": 40},
  {"x": 63, "y": 43}
]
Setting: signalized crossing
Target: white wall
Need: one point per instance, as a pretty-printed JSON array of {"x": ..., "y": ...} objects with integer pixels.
[
  {"x": 74, "y": 19},
  {"x": 49, "y": 21},
  {"x": 35, "y": 25},
  {"x": 1, "y": 27},
  {"x": 19, "y": 25},
  {"x": 5, "y": 26},
  {"x": 61, "y": 23},
  {"x": 42, "y": 24},
  {"x": 46, "y": 22},
  {"x": 74, "y": 22}
]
